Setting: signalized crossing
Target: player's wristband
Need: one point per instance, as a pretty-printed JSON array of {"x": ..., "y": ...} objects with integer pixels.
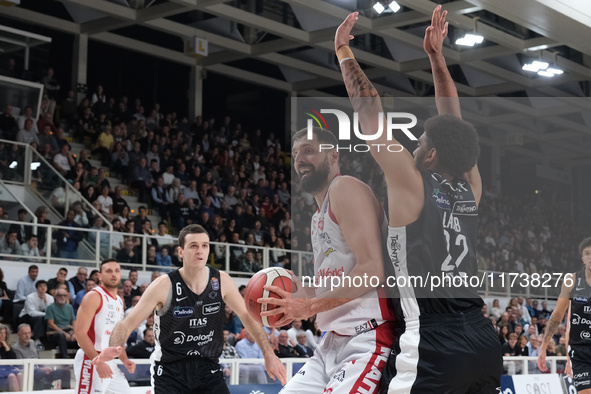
[{"x": 344, "y": 53}]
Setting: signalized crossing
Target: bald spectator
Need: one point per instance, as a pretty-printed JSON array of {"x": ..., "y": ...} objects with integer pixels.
[
  {"x": 284, "y": 349},
  {"x": 25, "y": 348},
  {"x": 78, "y": 282}
]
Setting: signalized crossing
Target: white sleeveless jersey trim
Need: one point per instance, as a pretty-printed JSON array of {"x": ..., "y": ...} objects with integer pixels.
[
  {"x": 110, "y": 312},
  {"x": 333, "y": 257}
]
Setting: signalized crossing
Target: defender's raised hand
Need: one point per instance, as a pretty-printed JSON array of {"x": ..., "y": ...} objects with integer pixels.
[
  {"x": 343, "y": 34},
  {"x": 436, "y": 33}
]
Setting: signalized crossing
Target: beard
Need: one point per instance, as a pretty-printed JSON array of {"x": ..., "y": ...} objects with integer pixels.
[{"x": 316, "y": 179}]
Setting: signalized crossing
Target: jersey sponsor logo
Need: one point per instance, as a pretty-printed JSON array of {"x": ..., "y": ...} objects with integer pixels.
[
  {"x": 372, "y": 378},
  {"x": 201, "y": 339},
  {"x": 441, "y": 199},
  {"x": 585, "y": 335},
  {"x": 193, "y": 353},
  {"x": 587, "y": 309},
  {"x": 323, "y": 272},
  {"x": 198, "y": 303},
  {"x": 210, "y": 309},
  {"x": 86, "y": 377},
  {"x": 451, "y": 222},
  {"x": 215, "y": 284},
  {"x": 182, "y": 298},
  {"x": 198, "y": 323},
  {"x": 466, "y": 208},
  {"x": 395, "y": 246},
  {"x": 212, "y": 295},
  {"x": 367, "y": 326},
  {"x": 580, "y": 320},
  {"x": 321, "y": 225},
  {"x": 340, "y": 376},
  {"x": 581, "y": 300},
  {"x": 329, "y": 251},
  {"x": 182, "y": 312},
  {"x": 325, "y": 238},
  {"x": 581, "y": 375},
  {"x": 301, "y": 372}
]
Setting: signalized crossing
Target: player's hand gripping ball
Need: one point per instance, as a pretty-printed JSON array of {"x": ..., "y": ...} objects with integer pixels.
[{"x": 272, "y": 276}]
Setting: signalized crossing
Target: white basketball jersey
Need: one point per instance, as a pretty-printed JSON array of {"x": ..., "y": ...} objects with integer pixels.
[
  {"x": 333, "y": 257},
  {"x": 109, "y": 313}
]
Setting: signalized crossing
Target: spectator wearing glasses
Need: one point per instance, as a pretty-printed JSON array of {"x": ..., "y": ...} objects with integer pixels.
[{"x": 60, "y": 322}]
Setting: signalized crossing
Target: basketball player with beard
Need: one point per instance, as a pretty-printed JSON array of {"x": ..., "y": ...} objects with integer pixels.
[
  {"x": 447, "y": 346},
  {"x": 99, "y": 311},
  {"x": 348, "y": 234}
]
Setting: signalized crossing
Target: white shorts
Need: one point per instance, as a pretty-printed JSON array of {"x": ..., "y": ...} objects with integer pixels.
[
  {"x": 88, "y": 381},
  {"x": 345, "y": 364}
]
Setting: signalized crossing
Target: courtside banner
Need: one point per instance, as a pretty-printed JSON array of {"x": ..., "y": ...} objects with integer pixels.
[{"x": 527, "y": 150}]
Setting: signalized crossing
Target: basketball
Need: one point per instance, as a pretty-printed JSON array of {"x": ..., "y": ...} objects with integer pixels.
[{"x": 271, "y": 276}]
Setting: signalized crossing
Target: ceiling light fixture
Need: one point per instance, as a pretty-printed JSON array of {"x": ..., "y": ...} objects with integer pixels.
[
  {"x": 542, "y": 68},
  {"x": 381, "y": 6}
]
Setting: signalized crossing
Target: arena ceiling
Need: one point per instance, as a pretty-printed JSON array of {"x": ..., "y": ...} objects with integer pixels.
[{"x": 288, "y": 45}]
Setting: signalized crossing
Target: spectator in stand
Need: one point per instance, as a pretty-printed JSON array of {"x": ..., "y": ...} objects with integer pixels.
[
  {"x": 228, "y": 352},
  {"x": 145, "y": 347},
  {"x": 6, "y": 306},
  {"x": 162, "y": 237},
  {"x": 25, "y": 347},
  {"x": 78, "y": 282},
  {"x": 140, "y": 219},
  {"x": 104, "y": 146},
  {"x": 160, "y": 198},
  {"x": 27, "y": 134},
  {"x": 510, "y": 348},
  {"x": 67, "y": 240},
  {"x": 249, "y": 264},
  {"x": 522, "y": 349},
  {"x": 133, "y": 277},
  {"x": 30, "y": 248},
  {"x": 21, "y": 229},
  {"x": 284, "y": 349},
  {"x": 60, "y": 278},
  {"x": 88, "y": 285},
  {"x": 192, "y": 192},
  {"x": 63, "y": 161},
  {"x": 128, "y": 254},
  {"x": 179, "y": 212},
  {"x": 151, "y": 257},
  {"x": 142, "y": 179},
  {"x": 8, "y": 125},
  {"x": 163, "y": 259},
  {"x": 9, "y": 244},
  {"x": 127, "y": 295},
  {"x": 27, "y": 115},
  {"x": 34, "y": 311},
  {"x": 313, "y": 336},
  {"x": 106, "y": 203},
  {"x": 26, "y": 284},
  {"x": 60, "y": 322},
  {"x": 120, "y": 161},
  {"x": 118, "y": 201},
  {"x": 124, "y": 215},
  {"x": 248, "y": 348},
  {"x": 302, "y": 347},
  {"x": 14, "y": 378}
]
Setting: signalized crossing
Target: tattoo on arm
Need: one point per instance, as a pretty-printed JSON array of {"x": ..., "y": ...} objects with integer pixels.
[
  {"x": 356, "y": 82},
  {"x": 551, "y": 329}
]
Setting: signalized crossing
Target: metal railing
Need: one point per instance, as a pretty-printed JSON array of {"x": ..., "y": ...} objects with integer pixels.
[{"x": 28, "y": 366}]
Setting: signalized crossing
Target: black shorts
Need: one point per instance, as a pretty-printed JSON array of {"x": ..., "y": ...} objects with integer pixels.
[
  {"x": 580, "y": 357},
  {"x": 188, "y": 376},
  {"x": 445, "y": 354}
]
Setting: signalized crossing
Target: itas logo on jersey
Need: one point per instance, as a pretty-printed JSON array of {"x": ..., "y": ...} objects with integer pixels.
[
  {"x": 441, "y": 199},
  {"x": 182, "y": 312},
  {"x": 210, "y": 309},
  {"x": 198, "y": 323},
  {"x": 215, "y": 284},
  {"x": 587, "y": 309}
]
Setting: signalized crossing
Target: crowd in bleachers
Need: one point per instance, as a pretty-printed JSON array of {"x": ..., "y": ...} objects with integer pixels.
[{"x": 521, "y": 328}]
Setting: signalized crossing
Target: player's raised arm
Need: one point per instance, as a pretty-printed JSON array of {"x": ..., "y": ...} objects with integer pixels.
[
  {"x": 232, "y": 297},
  {"x": 403, "y": 178}
]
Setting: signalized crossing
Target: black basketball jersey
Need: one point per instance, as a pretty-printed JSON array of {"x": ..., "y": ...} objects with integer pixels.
[
  {"x": 580, "y": 318},
  {"x": 441, "y": 243},
  {"x": 190, "y": 325}
]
